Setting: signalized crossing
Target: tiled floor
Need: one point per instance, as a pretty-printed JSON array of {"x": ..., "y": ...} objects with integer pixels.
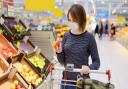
[{"x": 114, "y": 57}]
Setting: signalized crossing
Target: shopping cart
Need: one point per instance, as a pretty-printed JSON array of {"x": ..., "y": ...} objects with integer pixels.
[{"x": 57, "y": 81}]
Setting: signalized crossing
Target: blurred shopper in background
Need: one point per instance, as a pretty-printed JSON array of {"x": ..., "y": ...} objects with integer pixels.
[
  {"x": 101, "y": 30},
  {"x": 106, "y": 29},
  {"x": 96, "y": 30},
  {"x": 112, "y": 32},
  {"x": 76, "y": 47}
]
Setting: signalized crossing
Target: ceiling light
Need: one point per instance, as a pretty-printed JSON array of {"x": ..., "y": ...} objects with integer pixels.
[
  {"x": 102, "y": 2},
  {"x": 75, "y": 2},
  {"x": 124, "y": 11}
]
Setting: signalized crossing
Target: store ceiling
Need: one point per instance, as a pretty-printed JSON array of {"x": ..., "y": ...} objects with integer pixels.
[
  {"x": 68, "y": 3},
  {"x": 116, "y": 7}
]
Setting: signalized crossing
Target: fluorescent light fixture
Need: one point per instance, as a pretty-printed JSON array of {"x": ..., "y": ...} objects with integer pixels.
[
  {"x": 102, "y": 2},
  {"x": 75, "y": 2},
  {"x": 124, "y": 11}
]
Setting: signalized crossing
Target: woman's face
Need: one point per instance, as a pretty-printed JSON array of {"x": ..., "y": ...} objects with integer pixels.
[{"x": 72, "y": 24}]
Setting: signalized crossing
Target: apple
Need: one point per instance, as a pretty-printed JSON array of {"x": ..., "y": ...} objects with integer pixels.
[
  {"x": 34, "y": 77},
  {"x": 18, "y": 86},
  {"x": 39, "y": 79},
  {"x": 13, "y": 86},
  {"x": 37, "y": 61},
  {"x": 16, "y": 82},
  {"x": 22, "y": 88},
  {"x": 25, "y": 68},
  {"x": 31, "y": 73}
]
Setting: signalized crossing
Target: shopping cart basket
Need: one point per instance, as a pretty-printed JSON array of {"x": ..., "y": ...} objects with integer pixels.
[{"x": 81, "y": 82}]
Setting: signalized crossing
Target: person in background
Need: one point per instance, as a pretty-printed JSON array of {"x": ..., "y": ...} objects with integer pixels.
[
  {"x": 76, "y": 47},
  {"x": 106, "y": 29},
  {"x": 112, "y": 32},
  {"x": 101, "y": 30},
  {"x": 96, "y": 30}
]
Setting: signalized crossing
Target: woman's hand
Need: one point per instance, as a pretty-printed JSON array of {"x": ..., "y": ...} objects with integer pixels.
[
  {"x": 85, "y": 70},
  {"x": 57, "y": 45}
]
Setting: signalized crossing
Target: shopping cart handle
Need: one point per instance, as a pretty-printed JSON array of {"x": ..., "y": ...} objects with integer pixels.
[{"x": 107, "y": 72}]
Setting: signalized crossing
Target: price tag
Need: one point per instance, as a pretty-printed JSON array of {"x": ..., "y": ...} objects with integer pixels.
[
  {"x": 38, "y": 51},
  {"x": 27, "y": 28},
  {"x": 1, "y": 20},
  {"x": 30, "y": 87},
  {"x": 25, "y": 39},
  {"x": 17, "y": 19},
  {"x": 12, "y": 73},
  {"x": 36, "y": 48}
]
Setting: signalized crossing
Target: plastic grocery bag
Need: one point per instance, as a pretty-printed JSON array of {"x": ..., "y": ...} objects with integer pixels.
[{"x": 93, "y": 84}]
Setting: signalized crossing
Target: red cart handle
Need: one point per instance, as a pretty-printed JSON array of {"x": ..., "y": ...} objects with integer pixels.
[
  {"x": 51, "y": 68},
  {"x": 107, "y": 72}
]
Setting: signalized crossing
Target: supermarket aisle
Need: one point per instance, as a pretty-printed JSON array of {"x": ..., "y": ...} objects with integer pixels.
[{"x": 115, "y": 57}]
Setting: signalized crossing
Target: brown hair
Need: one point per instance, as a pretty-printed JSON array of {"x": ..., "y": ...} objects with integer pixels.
[{"x": 78, "y": 14}]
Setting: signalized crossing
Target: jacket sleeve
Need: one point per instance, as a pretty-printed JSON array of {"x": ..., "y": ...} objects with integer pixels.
[
  {"x": 94, "y": 54},
  {"x": 61, "y": 56}
]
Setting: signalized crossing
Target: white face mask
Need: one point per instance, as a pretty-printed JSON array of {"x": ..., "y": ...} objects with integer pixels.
[{"x": 73, "y": 26}]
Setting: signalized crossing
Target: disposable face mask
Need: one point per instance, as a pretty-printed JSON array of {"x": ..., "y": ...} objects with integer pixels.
[{"x": 74, "y": 26}]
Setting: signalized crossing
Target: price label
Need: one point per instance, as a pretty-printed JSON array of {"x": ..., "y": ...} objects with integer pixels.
[
  {"x": 1, "y": 20},
  {"x": 25, "y": 39},
  {"x": 36, "y": 48},
  {"x": 38, "y": 51},
  {"x": 12, "y": 73},
  {"x": 17, "y": 19},
  {"x": 27, "y": 28}
]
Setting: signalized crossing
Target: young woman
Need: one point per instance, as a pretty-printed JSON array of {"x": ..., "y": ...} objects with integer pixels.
[{"x": 77, "y": 46}]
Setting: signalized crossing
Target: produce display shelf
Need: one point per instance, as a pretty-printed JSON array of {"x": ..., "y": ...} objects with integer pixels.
[
  {"x": 6, "y": 48},
  {"x": 25, "y": 69},
  {"x": 14, "y": 29}
]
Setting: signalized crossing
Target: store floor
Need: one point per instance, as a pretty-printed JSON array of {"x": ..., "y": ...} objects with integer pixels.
[{"x": 115, "y": 57}]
